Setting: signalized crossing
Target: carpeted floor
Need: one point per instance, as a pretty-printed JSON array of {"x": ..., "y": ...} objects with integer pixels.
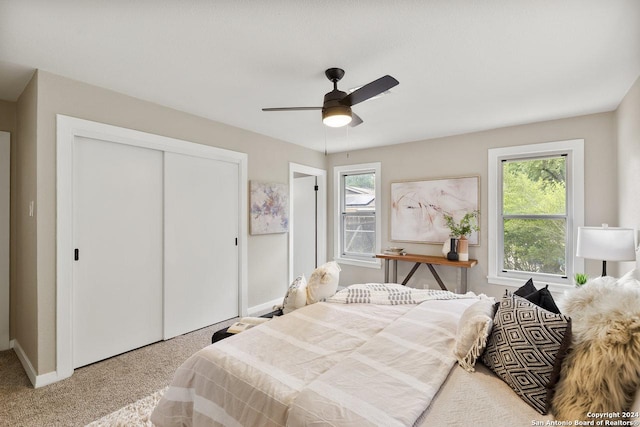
[
  {"x": 136, "y": 414},
  {"x": 96, "y": 390}
]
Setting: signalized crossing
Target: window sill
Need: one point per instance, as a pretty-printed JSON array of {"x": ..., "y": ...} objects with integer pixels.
[
  {"x": 374, "y": 263},
  {"x": 512, "y": 282}
]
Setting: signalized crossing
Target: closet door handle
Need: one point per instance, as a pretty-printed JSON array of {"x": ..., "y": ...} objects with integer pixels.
[{"x": 76, "y": 254}]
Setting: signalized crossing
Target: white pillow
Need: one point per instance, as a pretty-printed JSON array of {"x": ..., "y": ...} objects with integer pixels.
[
  {"x": 474, "y": 328},
  {"x": 296, "y": 295},
  {"x": 323, "y": 282},
  {"x": 632, "y": 278}
]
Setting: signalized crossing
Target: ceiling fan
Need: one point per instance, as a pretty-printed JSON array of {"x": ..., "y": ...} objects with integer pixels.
[{"x": 336, "y": 109}]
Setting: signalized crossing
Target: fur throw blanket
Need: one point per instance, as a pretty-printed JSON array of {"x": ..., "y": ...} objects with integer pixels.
[{"x": 601, "y": 373}]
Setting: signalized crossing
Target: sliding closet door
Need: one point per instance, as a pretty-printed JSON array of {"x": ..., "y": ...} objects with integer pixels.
[
  {"x": 201, "y": 252},
  {"x": 118, "y": 225}
]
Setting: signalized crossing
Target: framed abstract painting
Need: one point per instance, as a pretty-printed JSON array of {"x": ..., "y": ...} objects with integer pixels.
[
  {"x": 418, "y": 208},
  {"x": 269, "y": 209}
]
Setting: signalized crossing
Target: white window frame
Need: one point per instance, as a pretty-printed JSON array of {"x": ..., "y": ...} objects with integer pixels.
[
  {"x": 574, "y": 150},
  {"x": 338, "y": 173}
]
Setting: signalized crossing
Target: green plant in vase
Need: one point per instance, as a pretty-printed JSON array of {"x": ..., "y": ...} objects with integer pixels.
[
  {"x": 461, "y": 230},
  {"x": 580, "y": 279}
]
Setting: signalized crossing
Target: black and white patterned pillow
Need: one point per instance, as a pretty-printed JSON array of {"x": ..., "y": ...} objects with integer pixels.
[{"x": 526, "y": 348}]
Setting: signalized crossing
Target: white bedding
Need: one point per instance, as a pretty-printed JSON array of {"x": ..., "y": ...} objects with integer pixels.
[
  {"x": 478, "y": 399},
  {"x": 390, "y": 379},
  {"x": 331, "y": 364}
]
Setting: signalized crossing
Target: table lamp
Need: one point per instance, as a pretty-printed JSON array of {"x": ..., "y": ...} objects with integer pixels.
[{"x": 606, "y": 243}]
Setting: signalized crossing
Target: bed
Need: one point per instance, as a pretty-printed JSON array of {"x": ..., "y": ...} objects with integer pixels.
[{"x": 388, "y": 363}]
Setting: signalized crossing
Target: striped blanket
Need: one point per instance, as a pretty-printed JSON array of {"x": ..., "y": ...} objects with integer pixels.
[
  {"x": 390, "y": 294},
  {"x": 324, "y": 364}
]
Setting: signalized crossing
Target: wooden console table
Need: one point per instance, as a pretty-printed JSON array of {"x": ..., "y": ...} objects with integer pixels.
[{"x": 430, "y": 261}]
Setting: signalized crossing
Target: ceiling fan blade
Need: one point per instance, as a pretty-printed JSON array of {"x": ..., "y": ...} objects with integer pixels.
[
  {"x": 355, "y": 120},
  {"x": 369, "y": 90},
  {"x": 292, "y": 109}
]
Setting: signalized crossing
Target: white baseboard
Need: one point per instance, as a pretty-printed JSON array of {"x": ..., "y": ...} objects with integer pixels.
[
  {"x": 36, "y": 380},
  {"x": 26, "y": 363},
  {"x": 266, "y": 307}
]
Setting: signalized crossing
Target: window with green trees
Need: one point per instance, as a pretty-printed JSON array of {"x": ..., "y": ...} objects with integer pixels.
[
  {"x": 536, "y": 204},
  {"x": 534, "y": 215}
]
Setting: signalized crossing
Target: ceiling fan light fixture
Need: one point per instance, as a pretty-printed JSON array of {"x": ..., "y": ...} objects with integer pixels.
[
  {"x": 337, "y": 116},
  {"x": 336, "y": 108}
]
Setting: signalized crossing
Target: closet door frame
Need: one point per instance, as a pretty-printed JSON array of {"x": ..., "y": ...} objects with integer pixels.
[
  {"x": 5, "y": 213},
  {"x": 68, "y": 128}
]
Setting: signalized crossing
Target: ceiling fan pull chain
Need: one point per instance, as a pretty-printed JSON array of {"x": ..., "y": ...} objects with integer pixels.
[
  {"x": 347, "y": 144},
  {"x": 325, "y": 141}
]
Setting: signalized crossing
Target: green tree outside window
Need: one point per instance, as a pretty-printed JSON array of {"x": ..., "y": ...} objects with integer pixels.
[{"x": 534, "y": 215}]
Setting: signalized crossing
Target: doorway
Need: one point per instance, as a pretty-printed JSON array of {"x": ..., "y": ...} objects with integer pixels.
[{"x": 307, "y": 239}]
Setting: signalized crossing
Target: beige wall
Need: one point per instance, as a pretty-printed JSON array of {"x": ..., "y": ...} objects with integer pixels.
[
  {"x": 465, "y": 155},
  {"x": 8, "y": 116},
  {"x": 24, "y": 315},
  {"x": 7, "y": 124},
  {"x": 268, "y": 161},
  {"x": 628, "y": 129}
]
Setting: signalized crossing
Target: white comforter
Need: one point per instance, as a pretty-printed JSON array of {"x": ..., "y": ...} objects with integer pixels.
[{"x": 324, "y": 364}]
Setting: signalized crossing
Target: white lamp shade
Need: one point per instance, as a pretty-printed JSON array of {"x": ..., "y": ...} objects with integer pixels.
[{"x": 607, "y": 243}]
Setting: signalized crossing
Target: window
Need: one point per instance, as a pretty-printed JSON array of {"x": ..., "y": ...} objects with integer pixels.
[
  {"x": 356, "y": 222},
  {"x": 534, "y": 215},
  {"x": 536, "y": 203}
]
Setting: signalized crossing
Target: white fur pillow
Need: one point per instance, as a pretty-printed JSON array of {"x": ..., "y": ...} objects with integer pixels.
[
  {"x": 296, "y": 296},
  {"x": 602, "y": 371},
  {"x": 635, "y": 407},
  {"x": 474, "y": 328},
  {"x": 323, "y": 282}
]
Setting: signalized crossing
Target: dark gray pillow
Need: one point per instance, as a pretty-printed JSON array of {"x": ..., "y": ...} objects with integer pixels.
[
  {"x": 526, "y": 348},
  {"x": 526, "y": 289},
  {"x": 543, "y": 298}
]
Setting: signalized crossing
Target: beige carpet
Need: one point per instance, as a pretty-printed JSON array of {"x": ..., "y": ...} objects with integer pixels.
[
  {"x": 136, "y": 414},
  {"x": 97, "y": 390}
]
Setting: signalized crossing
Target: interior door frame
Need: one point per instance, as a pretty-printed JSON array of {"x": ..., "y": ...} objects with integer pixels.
[
  {"x": 5, "y": 191},
  {"x": 321, "y": 210},
  {"x": 68, "y": 128}
]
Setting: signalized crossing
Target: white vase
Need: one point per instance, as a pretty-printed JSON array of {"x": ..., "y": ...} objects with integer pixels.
[{"x": 446, "y": 247}]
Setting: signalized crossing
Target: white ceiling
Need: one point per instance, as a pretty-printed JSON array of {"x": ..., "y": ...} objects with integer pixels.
[{"x": 463, "y": 65}]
